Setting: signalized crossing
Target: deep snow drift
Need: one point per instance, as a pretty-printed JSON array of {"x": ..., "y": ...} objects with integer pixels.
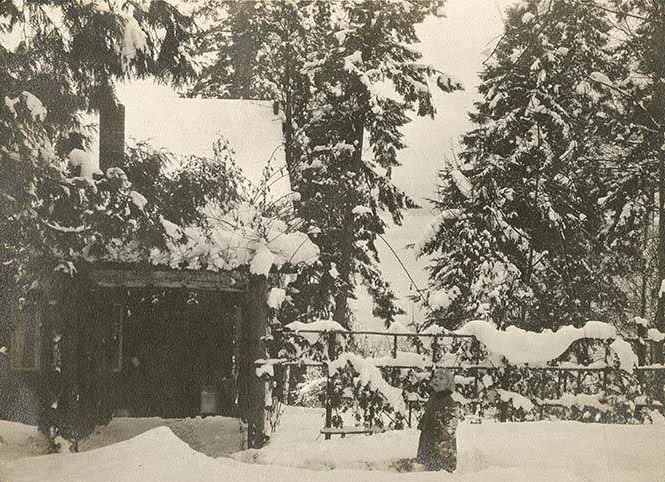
[
  {"x": 511, "y": 452},
  {"x": 158, "y": 456},
  {"x": 213, "y": 436},
  {"x": 591, "y": 451}
]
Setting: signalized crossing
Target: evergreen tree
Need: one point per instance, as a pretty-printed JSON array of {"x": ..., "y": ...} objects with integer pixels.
[
  {"x": 57, "y": 59},
  {"x": 633, "y": 164},
  {"x": 519, "y": 238},
  {"x": 345, "y": 78},
  {"x": 643, "y": 92},
  {"x": 69, "y": 53}
]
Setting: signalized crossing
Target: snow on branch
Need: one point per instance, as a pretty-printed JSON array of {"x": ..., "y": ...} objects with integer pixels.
[
  {"x": 519, "y": 346},
  {"x": 319, "y": 325},
  {"x": 370, "y": 376},
  {"x": 241, "y": 237},
  {"x": 434, "y": 227},
  {"x": 276, "y": 297},
  {"x": 462, "y": 182},
  {"x": 580, "y": 401},
  {"x": 515, "y": 399}
]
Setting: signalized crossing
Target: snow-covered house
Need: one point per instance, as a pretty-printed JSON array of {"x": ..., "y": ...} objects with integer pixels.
[{"x": 143, "y": 336}]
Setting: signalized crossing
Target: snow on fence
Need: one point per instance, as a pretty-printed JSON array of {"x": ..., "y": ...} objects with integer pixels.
[{"x": 485, "y": 360}]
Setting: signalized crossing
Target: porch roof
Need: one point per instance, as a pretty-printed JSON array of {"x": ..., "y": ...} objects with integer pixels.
[{"x": 103, "y": 276}]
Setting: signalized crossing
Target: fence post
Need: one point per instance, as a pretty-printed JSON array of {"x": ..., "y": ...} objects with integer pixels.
[
  {"x": 410, "y": 402},
  {"x": 641, "y": 347},
  {"x": 435, "y": 350},
  {"x": 605, "y": 379},
  {"x": 394, "y": 346},
  {"x": 329, "y": 387},
  {"x": 475, "y": 348},
  {"x": 579, "y": 382}
]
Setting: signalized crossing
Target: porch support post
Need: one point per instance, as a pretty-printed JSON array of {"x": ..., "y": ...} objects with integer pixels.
[{"x": 255, "y": 324}]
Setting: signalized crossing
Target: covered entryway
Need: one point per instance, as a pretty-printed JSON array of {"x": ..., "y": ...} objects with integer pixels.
[
  {"x": 177, "y": 354},
  {"x": 143, "y": 341}
]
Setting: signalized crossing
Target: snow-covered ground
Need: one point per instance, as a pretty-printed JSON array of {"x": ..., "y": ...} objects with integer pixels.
[
  {"x": 158, "y": 455},
  {"x": 548, "y": 451},
  {"x": 213, "y": 436},
  {"x": 18, "y": 440}
]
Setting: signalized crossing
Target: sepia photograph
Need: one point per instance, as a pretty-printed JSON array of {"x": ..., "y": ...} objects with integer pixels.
[{"x": 332, "y": 240}]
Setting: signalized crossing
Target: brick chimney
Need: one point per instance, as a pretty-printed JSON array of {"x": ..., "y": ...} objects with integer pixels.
[{"x": 111, "y": 135}]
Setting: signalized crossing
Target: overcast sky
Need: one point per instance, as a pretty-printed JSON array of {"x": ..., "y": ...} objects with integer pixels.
[{"x": 457, "y": 44}]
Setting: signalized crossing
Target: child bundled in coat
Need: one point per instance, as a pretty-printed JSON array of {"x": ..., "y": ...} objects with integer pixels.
[{"x": 437, "y": 448}]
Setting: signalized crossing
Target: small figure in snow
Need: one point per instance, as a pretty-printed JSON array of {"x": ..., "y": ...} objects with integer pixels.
[{"x": 437, "y": 448}]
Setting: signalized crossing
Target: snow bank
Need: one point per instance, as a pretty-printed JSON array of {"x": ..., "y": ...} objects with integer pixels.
[
  {"x": 498, "y": 452},
  {"x": 157, "y": 455},
  {"x": 520, "y": 346},
  {"x": 551, "y": 451},
  {"x": 376, "y": 452},
  {"x": 213, "y": 436},
  {"x": 18, "y": 440}
]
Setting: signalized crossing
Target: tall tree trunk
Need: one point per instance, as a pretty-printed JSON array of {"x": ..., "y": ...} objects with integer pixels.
[
  {"x": 287, "y": 125},
  {"x": 660, "y": 312},
  {"x": 529, "y": 271},
  {"x": 345, "y": 267},
  {"x": 646, "y": 275}
]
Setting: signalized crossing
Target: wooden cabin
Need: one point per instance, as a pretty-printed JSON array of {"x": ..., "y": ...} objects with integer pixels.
[{"x": 145, "y": 340}]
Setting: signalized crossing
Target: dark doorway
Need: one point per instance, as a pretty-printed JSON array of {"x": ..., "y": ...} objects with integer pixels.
[{"x": 176, "y": 345}]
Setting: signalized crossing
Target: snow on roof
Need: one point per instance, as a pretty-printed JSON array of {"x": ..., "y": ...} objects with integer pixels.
[
  {"x": 155, "y": 113},
  {"x": 241, "y": 237}
]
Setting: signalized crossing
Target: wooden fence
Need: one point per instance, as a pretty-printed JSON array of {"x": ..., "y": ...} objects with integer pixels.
[{"x": 567, "y": 379}]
